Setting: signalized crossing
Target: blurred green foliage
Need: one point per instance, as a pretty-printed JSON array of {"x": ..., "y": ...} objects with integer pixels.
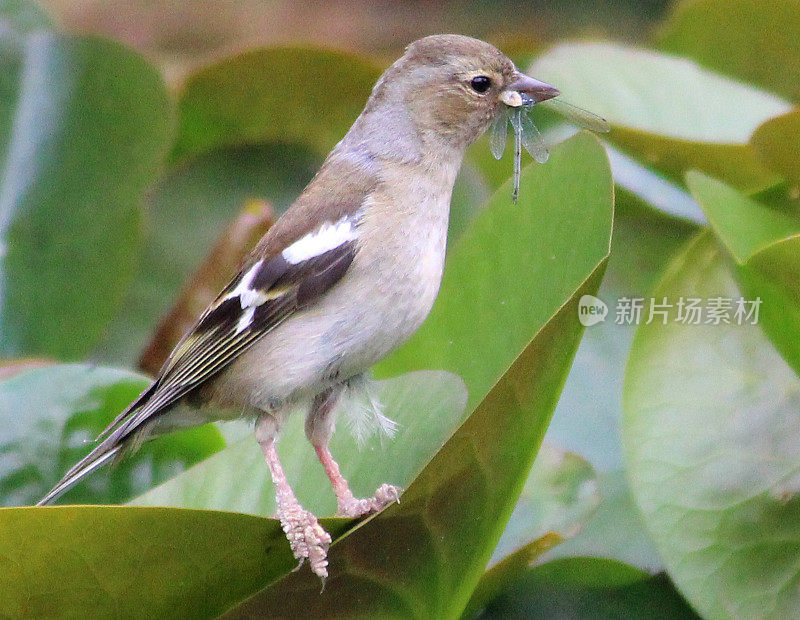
[{"x": 113, "y": 188}]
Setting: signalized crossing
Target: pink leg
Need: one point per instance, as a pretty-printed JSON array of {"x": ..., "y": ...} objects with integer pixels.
[
  {"x": 319, "y": 428},
  {"x": 348, "y": 504},
  {"x": 307, "y": 538}
]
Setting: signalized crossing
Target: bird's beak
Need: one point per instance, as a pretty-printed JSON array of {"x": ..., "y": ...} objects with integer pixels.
[{"x": 525, "y": 90}]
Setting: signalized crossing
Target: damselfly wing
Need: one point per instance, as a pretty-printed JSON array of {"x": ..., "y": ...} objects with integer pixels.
[
  {"x": 532, "y": 140},
  {"x": 578, "y": 116},
  {"x": 498, "y": 133}
]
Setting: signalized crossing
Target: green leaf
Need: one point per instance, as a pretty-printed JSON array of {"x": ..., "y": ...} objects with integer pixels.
[
  {"x": 90, "y": 124},
  {"x": 711, "y": 442},
  {"x": 752, "y": 40},
  {"x": 68, "y": 562},
  {"x": 591, "y": 589},
  {"x": 424, "y": 556},
  {"x": 666, "y": 111},
  {"x": 765, "y": 244},
  {"x": 500, "y": 282},
  {"x": 187, "y": 210},
  {"x": 506, "y": 572},
  {"x": 304, "y": 95},
  {"x": 777, "y": 141},
  {"x": 49, "y": 416},
  {"x": 426, "y": 406},
  {"x": 744, "y": 226},
  {"x": 559, "y": 496}
]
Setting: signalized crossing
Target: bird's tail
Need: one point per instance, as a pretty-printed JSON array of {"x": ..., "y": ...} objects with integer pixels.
[
  {"x": 98, "y": 457},
  {"x": 111, "y": 442}
]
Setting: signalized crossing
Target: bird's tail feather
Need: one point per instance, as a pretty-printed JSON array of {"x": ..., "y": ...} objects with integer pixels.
[
  {"x": 134, "y": 432},
  {"x": 96, "y": 458},
  {"x": 140, "y": 400}
]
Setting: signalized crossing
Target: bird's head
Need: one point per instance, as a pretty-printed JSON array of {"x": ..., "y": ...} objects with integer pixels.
[{"x": 452, "y": 86}]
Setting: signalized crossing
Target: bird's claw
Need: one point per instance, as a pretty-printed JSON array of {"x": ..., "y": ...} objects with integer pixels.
[
  {"x": 307, "y": 539},
  {"x": 384, "y": 495}
]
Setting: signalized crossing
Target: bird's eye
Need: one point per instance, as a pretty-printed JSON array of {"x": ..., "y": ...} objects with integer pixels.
[{"x": 481, "y": 83}]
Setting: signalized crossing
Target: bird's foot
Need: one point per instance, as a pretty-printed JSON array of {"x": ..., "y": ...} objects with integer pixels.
[
  {"x": 308, "y": 540},
  {"x": 355, "y": 507}
]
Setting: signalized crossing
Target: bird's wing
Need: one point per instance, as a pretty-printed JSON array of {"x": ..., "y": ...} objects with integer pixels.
[{"x": 261, "y": 296}]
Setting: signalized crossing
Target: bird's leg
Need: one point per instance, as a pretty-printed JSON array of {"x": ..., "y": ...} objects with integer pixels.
[
  {"x": 319, "y": 428},
  {"x": 348, "y": 504},
  {"x": 306, "y": 537}
]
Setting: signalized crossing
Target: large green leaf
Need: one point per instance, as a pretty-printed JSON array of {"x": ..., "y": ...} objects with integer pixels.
[
  {"x": 757, "y": 41},
  {"x": 48, "y": 417},
  {"x": 426, "y": 405},
  {"x": 305, "y": 95},
  {"x": 765, "y": 244},
  {"x": 711, "y": 440},
  {"x": 98, "y": 562},
  {"x": 590, "y": 589},
  {"x": 502, "y": 280},
  {"x": 667, "y": 111},
  {"x": 423, "y": 557},
  {"x": 90, "y": 125}
]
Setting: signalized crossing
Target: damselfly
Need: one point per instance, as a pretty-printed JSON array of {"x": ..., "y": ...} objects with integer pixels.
[{"x": 527, "y": 135}]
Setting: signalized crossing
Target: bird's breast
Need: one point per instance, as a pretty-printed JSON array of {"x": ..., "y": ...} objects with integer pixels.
[{"x": 401, "y": 274}]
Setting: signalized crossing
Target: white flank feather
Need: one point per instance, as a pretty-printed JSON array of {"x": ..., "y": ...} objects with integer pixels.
[{"x": 365, "y": 415}]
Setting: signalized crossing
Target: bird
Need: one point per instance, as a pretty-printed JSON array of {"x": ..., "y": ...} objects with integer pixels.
[{"x": 348, "y": 273}]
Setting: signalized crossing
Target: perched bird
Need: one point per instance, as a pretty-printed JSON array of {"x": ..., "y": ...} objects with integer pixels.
[{"x": 348, "y": 273}]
